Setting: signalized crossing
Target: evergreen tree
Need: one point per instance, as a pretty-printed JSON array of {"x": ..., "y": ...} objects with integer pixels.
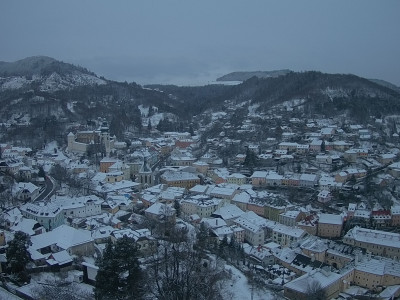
[
  {"x": 223, "y": 245},
  {"x": 352, "y": 180},
  {"x": 177, "y": 207},
  {"x": 191, "y": 131},
  {"x": 251, "y": 159},
  {"x": 149, "y": 125},
  {"x": 323, "y": 147},
  {"x": 18, "y": 256},
  {"x": 59, "y": 173},
  {"x": 41, "y": 172},
  {"x": 151, "y": 111},
  {"x": 368, "y": 180},
  {"x": 119, "y": 275},
  {"x": 202, "y": 237}
]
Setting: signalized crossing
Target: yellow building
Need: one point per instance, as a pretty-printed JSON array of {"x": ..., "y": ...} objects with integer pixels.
[
  {"x": 180, "y": 179},
  {"x": 330, "y": 225},
  {"x": 375, "y": 241}
]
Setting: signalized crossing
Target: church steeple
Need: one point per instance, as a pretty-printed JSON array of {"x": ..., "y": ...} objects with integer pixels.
[
  {"x": 146, "y": 174},
  {"x": 145, "y": 167}
]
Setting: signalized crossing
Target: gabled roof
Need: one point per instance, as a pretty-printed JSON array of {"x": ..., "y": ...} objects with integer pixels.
[{"x": 63, "y": 236}]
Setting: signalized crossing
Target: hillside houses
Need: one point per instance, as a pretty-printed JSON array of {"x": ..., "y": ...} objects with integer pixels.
[{"x": 301, "y": 190}]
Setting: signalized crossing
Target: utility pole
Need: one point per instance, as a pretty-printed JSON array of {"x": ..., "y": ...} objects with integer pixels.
[{"x": 252, "y": 284}]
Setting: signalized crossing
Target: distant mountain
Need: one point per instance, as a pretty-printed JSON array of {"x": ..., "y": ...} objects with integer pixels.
[
  {"x": 320, "y": 93},
  {"x": 386, "y": 84},
  {"x": 39, "y": 65},
  {"x": 48, "y": 73},
  {"x": 243, "y": 76},
  {"x": 38, "y": 91}
]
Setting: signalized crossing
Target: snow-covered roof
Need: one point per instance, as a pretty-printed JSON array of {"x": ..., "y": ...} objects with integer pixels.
[
  {"x": 225, "y": 191},
  {"x": 294, "y": 232},
  {"x": 201, "y": 189},
  {"x": 48, "y": 211},
  {"x": 62, "y": 257},
  {"x": 213, "y": 222},
  {"x": 174, "y": 176},
  {"x": 251, "y": 221},
  {"x": 242, "y": 197},
  {"x": 160, "y": 209},
  {"x": 382, "y": 266},
  {"x": 30, "y": 187},
  {"x": 374, "y": 237},
  {"x": 25, "y": 225},
  {"x": 331, "y": 219},
  {"x": 259, "y": 174},
  {"x": 308, "y": 177},
  {"x": 324, "y": 279},
  {"x": 63, "y": 236},
  {"x": 395, "y": 210},
  {"x": 228, "y": 211}
]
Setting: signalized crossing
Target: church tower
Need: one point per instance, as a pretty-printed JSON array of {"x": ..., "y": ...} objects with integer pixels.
[
  {"x": 146, "y": 174},
  {"x": 105, "y": 137},
  {"x": 71, "y": 141}
]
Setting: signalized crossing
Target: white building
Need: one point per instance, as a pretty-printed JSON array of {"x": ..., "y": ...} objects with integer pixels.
[
  {"x": 254, "y": 228},
  {"x": 286, "y": 236},
  {"x": 79, "y": 207},
  {"x": 201, "y": 205},
  {"x": 49, "y": 216}
]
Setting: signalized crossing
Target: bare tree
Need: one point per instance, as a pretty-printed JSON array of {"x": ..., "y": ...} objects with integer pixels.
[
  {"x": 177, "y": 271},
  {"x": 315, "y": 291},
  {"x": 61, "y": 289},
  {"x": 6, "y": 197}
]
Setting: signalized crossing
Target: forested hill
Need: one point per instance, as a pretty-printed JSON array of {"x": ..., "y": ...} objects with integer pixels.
[
  {"x": 328, "y": 94},
  {"x": 243, "y": 76},
  {"x": 40, "y": 94}
]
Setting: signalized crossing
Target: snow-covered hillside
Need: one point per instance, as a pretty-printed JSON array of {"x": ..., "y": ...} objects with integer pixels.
[{"x": 51, "y": 83}]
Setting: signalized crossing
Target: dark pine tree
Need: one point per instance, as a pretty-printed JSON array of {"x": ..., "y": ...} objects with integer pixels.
[
  {"x": 177, "y": 207},
  {"x": 323, "y": 147},
  {"x": 191, "y": 131},
  {"x": 119, "y": 275},
  {"x": 202, "y": 237},
  {"x": 41, "y": 172},
  {"x": 18, "y": 256}
]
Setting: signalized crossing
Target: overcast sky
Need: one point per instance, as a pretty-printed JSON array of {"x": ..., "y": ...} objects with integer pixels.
[{"x": 196, "y": 41}]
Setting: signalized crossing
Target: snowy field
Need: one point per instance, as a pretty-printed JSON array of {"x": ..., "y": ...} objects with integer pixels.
[{"x": 238, "y": 288}]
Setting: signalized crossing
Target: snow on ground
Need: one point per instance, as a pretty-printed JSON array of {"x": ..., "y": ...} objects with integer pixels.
[
  {"x": 49, "y": 148},
  {"x": 156, "y": 118},
  {"x": 7, "y": 295},
  {"x": 56, "y": 82},
  {"x": 238, "y": 288},
  {"x": 47, "y": 278},
  {"x": 252, "y": 109},
  {"x": 143, "y": 110},
  {"x": 292, "y": 103},
  {"x": 70, "y": 106},
  {"x": 13, "y": 83},
  {"x": 335, "y": 93},
  {"x": 218, "y": 115}
]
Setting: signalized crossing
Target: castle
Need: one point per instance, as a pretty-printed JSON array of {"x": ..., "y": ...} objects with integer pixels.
[{"x": 80, "y": 141}]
